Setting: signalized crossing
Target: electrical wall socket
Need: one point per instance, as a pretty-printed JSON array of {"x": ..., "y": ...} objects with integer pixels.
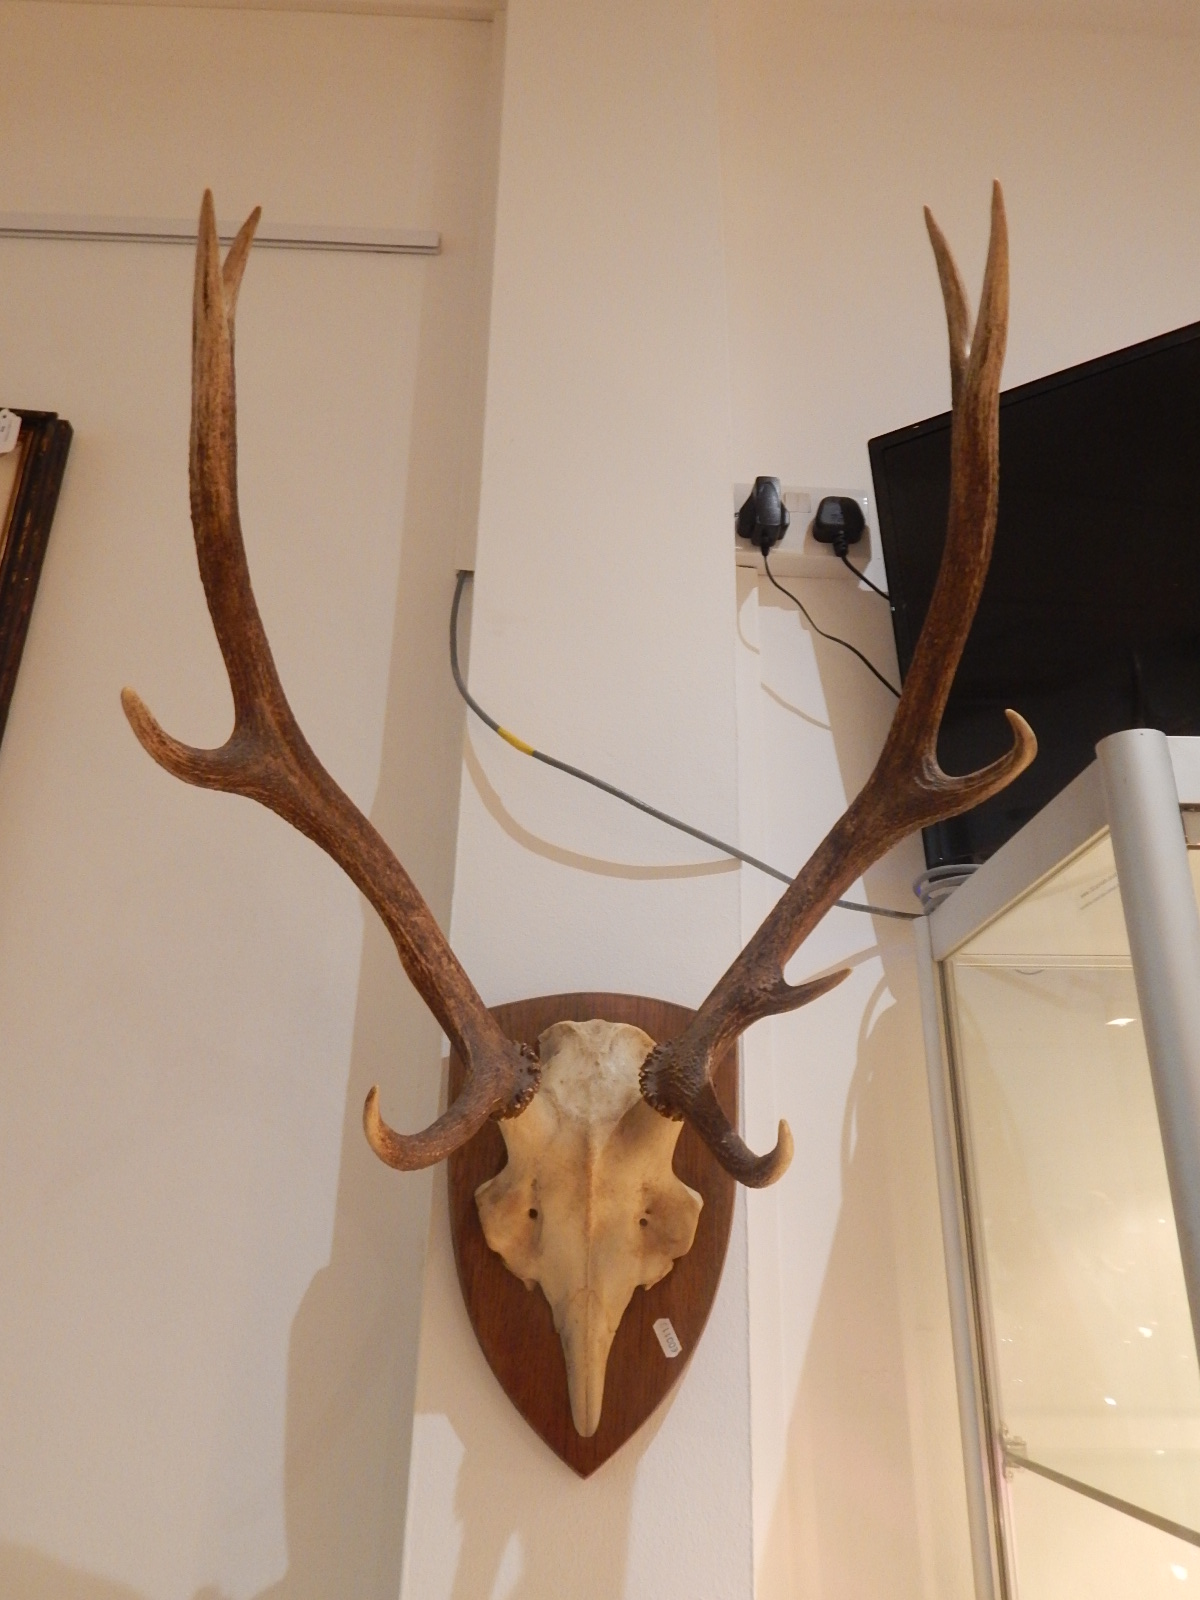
[{"x": 798, "y": 554}]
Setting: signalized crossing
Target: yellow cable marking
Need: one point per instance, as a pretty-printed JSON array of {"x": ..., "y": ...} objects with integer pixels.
[{"x": 517, "y": 744}]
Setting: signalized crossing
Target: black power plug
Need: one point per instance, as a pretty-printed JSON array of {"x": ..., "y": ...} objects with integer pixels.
[
  {"x": 764, "y": 519},
  {"x": 840, "y": 522}
]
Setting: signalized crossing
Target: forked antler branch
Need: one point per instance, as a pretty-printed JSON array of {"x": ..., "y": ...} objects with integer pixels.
[
  {"x": 907, "y": 790},
  {"x": 268, "y": 759}
]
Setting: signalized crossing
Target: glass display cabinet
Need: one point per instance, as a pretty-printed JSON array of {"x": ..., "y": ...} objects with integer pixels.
[{"x": 1061, "y": 1002}]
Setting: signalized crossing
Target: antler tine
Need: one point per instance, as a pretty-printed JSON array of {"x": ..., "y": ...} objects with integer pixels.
[
  {"x": 676, "y": 1078},
  {"x": 970, "y": 530},
  {"x": 212, "y": 469},
  {"x": 268, "y": 759},
  {"x": 458, "y": 1123},
  {"x": 958, "y": 310},
  {"x": 908, "y": 789}
]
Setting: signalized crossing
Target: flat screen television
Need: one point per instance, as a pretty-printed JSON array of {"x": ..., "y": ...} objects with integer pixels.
[{"x": 1090, "y": 617}]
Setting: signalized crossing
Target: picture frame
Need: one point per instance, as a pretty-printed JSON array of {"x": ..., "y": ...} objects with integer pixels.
[{"x": 31, "y": 475}]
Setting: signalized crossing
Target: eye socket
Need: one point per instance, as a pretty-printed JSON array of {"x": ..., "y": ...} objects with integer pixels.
[{"x": 533, "y": 1213}]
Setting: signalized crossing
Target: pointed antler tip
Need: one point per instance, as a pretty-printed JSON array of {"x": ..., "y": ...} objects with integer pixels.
[
  {"x": 207, "y": 768},
  {"x": 762, "y": 1171},
  {"x": 1025, "y": 743},
  {"x": 140, "y": 719},
  {"x": 246, "y": 232},
  {"x": 385, "y": 1142},
  {"x": 785, "y": 1145}
]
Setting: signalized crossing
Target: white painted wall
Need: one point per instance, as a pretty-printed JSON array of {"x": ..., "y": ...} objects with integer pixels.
[
  {"x": 603, "y": 631},
  {"x": 838, "y": 123},
  {"x": 208, "y": 1319},
  {"x": 709, "y": 263}
]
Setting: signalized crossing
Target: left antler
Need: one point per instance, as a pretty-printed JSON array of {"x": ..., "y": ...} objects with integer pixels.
[
  {"x": 907, "y": 790},
  {"x": 268, "y": 759}
]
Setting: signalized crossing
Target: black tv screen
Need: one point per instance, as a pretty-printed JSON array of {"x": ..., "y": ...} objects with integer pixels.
[{"x": 1090, "y": 617}]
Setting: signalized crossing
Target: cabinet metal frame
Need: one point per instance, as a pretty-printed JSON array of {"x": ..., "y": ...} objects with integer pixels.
[{"x": 1143, "y": 790}]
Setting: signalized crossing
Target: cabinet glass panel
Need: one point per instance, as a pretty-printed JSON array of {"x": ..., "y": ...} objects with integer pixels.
[
  {"x": 1093, "y": 1371},
  {"x": 1069, "y": 1547}
]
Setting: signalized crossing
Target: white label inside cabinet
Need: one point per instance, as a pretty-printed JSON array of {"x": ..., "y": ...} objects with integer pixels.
[
  {"x": 10, "y": 430},
  {"x": 667, "y": 1337}
]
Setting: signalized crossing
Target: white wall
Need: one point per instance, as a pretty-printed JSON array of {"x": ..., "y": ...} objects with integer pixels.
[
  {"x": 603, "y": 631},
  {"x": 836, "y": 129},
  {"x": 836, "y": 125},
  {"x": 709, "y": 263},
  {"x": 208, "y": 1322}
]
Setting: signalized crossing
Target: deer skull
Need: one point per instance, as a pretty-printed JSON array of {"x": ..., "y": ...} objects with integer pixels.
[{"x": 588, "y": 1206}]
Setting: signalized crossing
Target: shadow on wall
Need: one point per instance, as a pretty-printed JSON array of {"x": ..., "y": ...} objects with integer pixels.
[
  {"x": 30, "y": 1575},
  {"x": 874, "y": 1470},
  {"x": 353, "y": 1351},
  {"x": 352, "y": 1358},
  {"x": 872, "y": 1500},
  {"x": 34, "y": 1576},
  {"x": 847, "y": 1521},
  {"x": 851, "y": 1519},
  {"x": 507, "y": 1533},
  {"x": 352, "y": 1354},
  {"x": 517, "y": 1551},
  {"x": 597, "y": 865},
  {"x": 351, "y": 1366}
]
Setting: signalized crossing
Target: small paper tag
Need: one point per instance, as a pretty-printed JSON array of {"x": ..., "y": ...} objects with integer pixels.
[
  {"x": 667, "y": 1337},
  {"x": 10, "y": 429}
]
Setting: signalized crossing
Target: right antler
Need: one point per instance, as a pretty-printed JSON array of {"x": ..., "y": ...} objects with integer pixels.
[
  {"x": 268, "y": 759},
  {"x": 907, "y": 790}
]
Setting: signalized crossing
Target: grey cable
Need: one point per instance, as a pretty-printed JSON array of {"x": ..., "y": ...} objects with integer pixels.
[{"x": 620, "y": 794}]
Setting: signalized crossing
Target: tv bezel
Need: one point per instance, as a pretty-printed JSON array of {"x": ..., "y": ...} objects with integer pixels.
[
  {"x": 906, "y": 636},
  {"x": 905, "y": 627}
]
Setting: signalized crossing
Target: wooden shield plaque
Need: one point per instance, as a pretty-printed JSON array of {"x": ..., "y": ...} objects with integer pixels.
[{"x": 514, "y": 1325}]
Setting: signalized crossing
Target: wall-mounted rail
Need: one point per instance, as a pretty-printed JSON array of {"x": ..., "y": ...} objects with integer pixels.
[{"x": 270, "y": 236}]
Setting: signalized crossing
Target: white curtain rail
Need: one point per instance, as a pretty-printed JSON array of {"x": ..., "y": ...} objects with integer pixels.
[{"x": 277, "y": 236}]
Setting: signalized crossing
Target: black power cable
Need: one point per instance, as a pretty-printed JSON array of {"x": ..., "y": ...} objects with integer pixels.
[
  {"x": 862, "y": 577},
  {"x": 832, "y": 637},
  {"x": 620, "y": 794}
]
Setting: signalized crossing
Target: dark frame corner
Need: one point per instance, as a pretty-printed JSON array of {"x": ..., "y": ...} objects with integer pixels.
[{"x": 25, "y": 524}]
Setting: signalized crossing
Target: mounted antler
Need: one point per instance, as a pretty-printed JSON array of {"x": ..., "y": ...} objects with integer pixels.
[
  {"x": 268, "y": 759},
  {"x": 907, "y": 790},
  {"x": 589, "y": 1205}
]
